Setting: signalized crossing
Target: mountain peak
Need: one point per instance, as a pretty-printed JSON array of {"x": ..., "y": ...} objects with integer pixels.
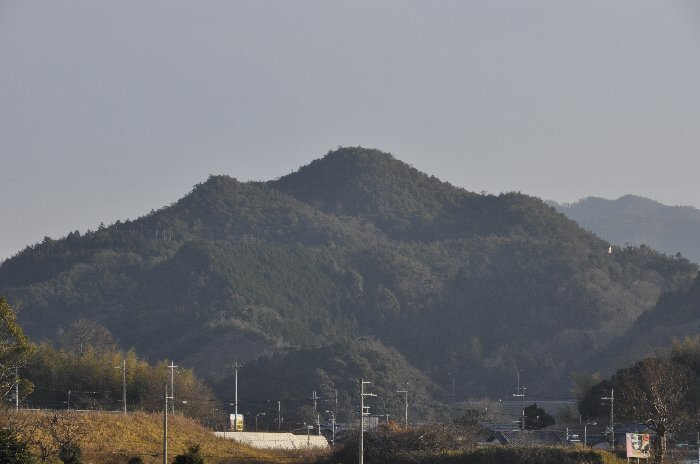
[
  {"x": 371, "y": 185},
  {"x": 347, "y": 166}
]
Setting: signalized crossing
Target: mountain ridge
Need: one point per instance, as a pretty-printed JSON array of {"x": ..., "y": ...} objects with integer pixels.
[
  {"x": 636, "y": 220},
  {"x": 478, "y": 286}
]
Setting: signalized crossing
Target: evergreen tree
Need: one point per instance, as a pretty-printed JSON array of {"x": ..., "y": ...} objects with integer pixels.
[
  {"x": 537, "y": 418},
  {"x": 14, "y": 347},
  {"x": 191, "y": 456}
]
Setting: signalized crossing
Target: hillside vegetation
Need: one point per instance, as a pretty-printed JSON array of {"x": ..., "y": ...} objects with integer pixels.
[
  {"x": 675, "y": 317},
  {"x": 94, "y": 380},
  {"x": 459, "y": 286}
]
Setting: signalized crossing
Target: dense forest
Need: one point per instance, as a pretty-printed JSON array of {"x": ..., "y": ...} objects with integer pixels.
[
  {"x": 675, "y": 316},
  {"x": 289, "y": 276}
]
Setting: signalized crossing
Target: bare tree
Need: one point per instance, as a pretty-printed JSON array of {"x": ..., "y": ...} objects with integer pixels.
[
  {"x": 655, "y": 392},
  {"x": 33, "y": 428},
  {"x": 68, "y": 430},
  {"x": 83, "y": 334},
  {"x": 48, "y": 434}
]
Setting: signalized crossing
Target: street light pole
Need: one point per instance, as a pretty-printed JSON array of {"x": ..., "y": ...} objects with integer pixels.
[{"x": 585, "y": 432}]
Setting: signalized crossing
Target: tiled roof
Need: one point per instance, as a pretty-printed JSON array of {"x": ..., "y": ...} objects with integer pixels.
[{"x": 531, "y": 438}]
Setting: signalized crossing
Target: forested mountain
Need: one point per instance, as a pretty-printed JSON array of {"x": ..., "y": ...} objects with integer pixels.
[
  {"x": 636, "y": 220},
  {"x": 675, "y": 317},
  {"x": 450, "y": 283}
]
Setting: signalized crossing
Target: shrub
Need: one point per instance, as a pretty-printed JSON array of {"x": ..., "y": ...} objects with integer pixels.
[
  {"x": 12, "y": 449},
  {"x": 192, "y": 456},
  {"x": 70, "y": 453}
]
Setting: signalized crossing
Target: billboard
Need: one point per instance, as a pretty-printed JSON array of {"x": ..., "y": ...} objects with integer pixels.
[
  {"x": 638, "y": 445},
  {"x": 236, "y": 422}
]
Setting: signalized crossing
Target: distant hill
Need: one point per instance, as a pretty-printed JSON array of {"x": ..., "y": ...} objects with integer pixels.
[
  {"x": 636, "y": 220},
  {"x": 449, "y": 285}
]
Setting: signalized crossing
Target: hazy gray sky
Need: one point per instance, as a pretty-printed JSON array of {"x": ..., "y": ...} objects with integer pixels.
[{"x": 109, "y": 109}]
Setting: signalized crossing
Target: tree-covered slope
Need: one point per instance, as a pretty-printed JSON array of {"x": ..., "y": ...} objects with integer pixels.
[
  {"x": 334, "y": 371},
  {"x": 464, "y": 286},
  {"x": 675, "y": 317},
  {"x": 636, "y": 220},
  {"x": 410, "y": 205}
]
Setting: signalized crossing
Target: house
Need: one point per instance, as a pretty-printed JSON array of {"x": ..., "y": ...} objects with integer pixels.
[{"x": 529, "y": 438}]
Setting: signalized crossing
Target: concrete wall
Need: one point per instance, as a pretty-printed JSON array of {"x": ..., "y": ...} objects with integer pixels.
[{"x": 275, "y": 440}]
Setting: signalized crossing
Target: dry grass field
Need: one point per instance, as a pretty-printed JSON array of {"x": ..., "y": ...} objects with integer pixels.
[{"x": 112, "y": 438}]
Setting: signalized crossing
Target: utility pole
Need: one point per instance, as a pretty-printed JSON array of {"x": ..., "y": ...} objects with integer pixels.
[
  {"x": 124, "y": 383},
  {"x": 612, "y": 414},
  {"x": 236, "y": 365},
  {"x": 362, "y": 417},
  {"x": 452, "y": 375},
  {"x": 172, "y": 367},
  {"x": 333, "y": 426},
  {"x": 165, "y": 427},
  {"x": 405, "y": 392},
  {"x": 521, "y": 394},
  {"x": 279, "y": 416},
  {"x": 123, "y": 368},
  {"x": 315, "y": 398},
  {"x": 16, "y": 388},
  {"x": 256, "y": 419}
]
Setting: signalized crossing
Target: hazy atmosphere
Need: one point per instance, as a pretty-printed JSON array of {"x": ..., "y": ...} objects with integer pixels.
[{"x": 111, "y": 109}]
